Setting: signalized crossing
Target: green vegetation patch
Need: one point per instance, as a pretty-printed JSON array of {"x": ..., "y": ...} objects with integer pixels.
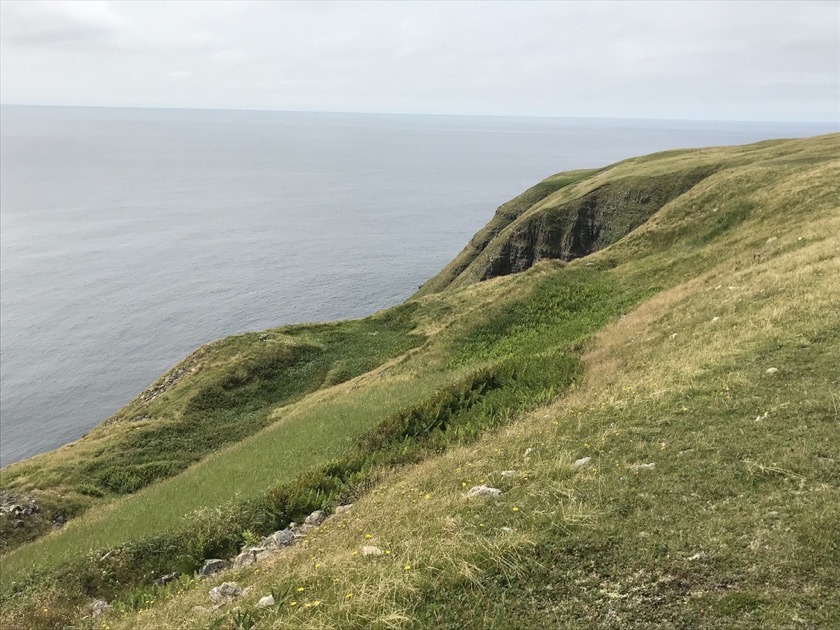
[
  {"x": 223, "y": 394},
  {"x": 562, "y": 309}
]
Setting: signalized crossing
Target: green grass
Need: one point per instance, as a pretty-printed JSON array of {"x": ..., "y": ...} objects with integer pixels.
[
  {"x": 229, "y": 391},
  {"x": 301, "y": 440},
  {"x": 736, "y": 525}
]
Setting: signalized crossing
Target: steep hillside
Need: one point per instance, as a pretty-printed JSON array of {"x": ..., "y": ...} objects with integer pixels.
[{"x": 657, "y": 421}]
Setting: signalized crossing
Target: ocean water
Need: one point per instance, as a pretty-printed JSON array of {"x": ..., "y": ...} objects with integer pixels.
[{"x": 129, "y": 237}]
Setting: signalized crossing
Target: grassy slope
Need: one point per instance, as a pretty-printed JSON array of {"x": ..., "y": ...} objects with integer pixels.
[
  {"x": 219, "y": 395},
  {"x": 736, "y": 525}
]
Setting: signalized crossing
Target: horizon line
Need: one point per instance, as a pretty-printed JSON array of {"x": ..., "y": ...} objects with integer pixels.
[{"x": 430, "y": 114}]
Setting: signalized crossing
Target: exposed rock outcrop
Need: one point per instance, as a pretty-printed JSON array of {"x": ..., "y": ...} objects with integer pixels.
[{"x": 547, "y": 222}]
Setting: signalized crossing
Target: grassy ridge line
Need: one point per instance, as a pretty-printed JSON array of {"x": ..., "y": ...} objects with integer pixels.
[
  {"x": 645, "y": 177},
  {"x": 219, "y": 395}
]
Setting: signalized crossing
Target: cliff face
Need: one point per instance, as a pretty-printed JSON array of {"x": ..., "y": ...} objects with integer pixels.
[{"x": 565, "y": 217}]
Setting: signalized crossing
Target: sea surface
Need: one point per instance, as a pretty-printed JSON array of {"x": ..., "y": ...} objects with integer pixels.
[{"x": 129, "y": 237}]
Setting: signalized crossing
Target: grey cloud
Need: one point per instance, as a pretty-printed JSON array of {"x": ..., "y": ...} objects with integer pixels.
[
  {"x": 39, "y": 24},
  {"x": 646, "y": 59}
]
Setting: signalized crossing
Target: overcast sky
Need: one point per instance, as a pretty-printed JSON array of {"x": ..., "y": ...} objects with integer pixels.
[{"x": 700, "y": 60}]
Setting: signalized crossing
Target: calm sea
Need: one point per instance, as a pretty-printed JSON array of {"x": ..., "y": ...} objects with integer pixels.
[{"x": 130, "y": 237}]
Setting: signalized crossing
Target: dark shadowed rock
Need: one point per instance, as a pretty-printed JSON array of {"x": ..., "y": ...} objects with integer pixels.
[
  {"x": 163, "y": 580},
  {"x": 214, "y": 565}
]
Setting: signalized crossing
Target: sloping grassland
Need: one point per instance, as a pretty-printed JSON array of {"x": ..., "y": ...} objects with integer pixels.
[{"x": 693, "y": 361}]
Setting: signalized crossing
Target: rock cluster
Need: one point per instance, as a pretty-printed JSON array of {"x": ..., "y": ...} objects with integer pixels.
[
  {"x": 23, "y": 510},
  {"x": 251, "y": 554}
]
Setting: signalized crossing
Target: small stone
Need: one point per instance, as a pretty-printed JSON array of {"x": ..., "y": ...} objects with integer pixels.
[
  {"x": 772, "y": 370},
  {"x": 507, "y": 530},
  {"x": 99, "y": 606},
  {"x": 771, "y": 239},
  {"x": 266, "y": 602},
  {"x": 714, "y": 319},
  {"x": 583, "y": 461},
  {"x": 280, "y": 538},
  {"x": 244, "y": 559},
  {"x": 343, "y": 509},
  {"x": 214, "y": 565},
  {"x": 483, "y": 491},
  {"x": 528, "y": 452},
  {"x": 224, "y": 592},
  {"x": 638, "y": 467},
  {"x": 371, "y": 550},
  {"x": 163, "y": 580},
  {"x": 509, "y": 473},
  {"x": 316, "y": 518},
  {"x": 674, "y": 336}
]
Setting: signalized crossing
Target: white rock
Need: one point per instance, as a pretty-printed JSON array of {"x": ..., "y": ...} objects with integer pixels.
[
  {"x": 266, "y": 601},
  {"x": 98, "y": 607},
  {"x": 244, "y": 559},
  {"x": 343, "y": 509},
  {"x": 771, "y": 239},
  {"x": 316, "y": 518},
  {"x": 483, "y": 491},
  {"x": 583, "y": 461},
  {"x": 370, "y": 550},
  {"x": 507, "y": 530},
  {"x": 772, "y": 370},
  {"x": 638, "y": 467},
  {"x": 280, "y": 538},
  {"x": 224, "y": 592},
  {"x": 509, "y": 473},
  {"x": 528, "y": 452},
  {"x": 714, "y": 319}
]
